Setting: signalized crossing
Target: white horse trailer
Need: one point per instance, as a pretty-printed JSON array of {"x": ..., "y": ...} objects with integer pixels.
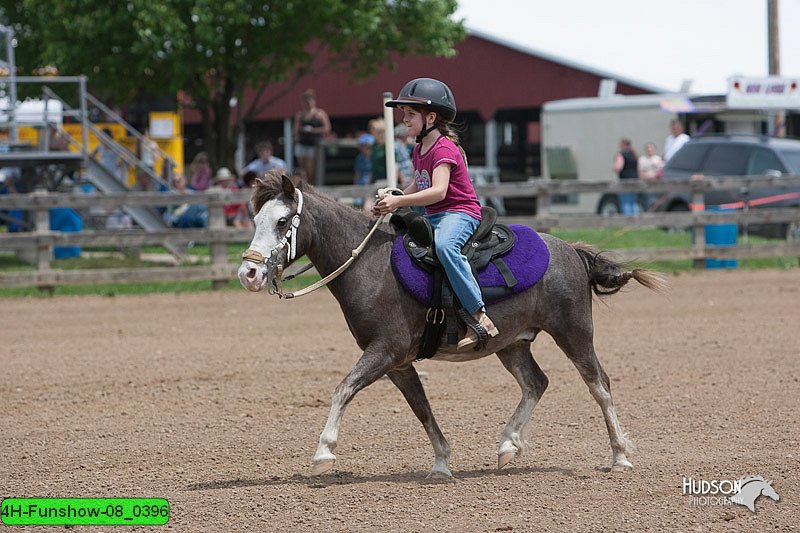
[{"x": 580, "y": 137}]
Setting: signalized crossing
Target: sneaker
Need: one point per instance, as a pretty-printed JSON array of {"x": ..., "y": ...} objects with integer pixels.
[{"x": 471, "y": 338}]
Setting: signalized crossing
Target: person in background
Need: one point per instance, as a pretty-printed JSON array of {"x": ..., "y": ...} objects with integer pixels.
[
  {"x": 442, "y": 184},
  {"x": 362, "y": 169},
  {"x": 116, "y": 218},
  {"x": 649, "y": 166},
  {"x": 311, "y": 125},
  {"x": 147, "y": 154},
  {"x": 249, "y": 179},
  {"x": 14, "y": 218},
  {"x": 403, "y": 164},
  {"x": 675, "y": 140},
  {"x": 265, "y": 161},
  {"x": 108, "y": 157},
  {"x": 625, "y": 167},
  {"x": 402, "y": 156},
  {"x": 186, "y": 215},
  {"x": 236, "y": 215},
  {"x": 200, "y": 172},
  {"x": 377, "y": 128}
]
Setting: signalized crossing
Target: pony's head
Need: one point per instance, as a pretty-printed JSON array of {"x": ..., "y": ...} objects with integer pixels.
[{"x": 278, "y": 206}]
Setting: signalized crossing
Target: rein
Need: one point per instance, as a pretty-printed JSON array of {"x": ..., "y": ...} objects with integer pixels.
[{"x": 289, "y": 239}]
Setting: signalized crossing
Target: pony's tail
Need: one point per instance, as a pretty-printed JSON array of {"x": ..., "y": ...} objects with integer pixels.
[{"x": 607, "y": 276}]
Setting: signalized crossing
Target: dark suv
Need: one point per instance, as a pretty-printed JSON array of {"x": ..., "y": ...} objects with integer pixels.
[{"x": 738, "y": 155}]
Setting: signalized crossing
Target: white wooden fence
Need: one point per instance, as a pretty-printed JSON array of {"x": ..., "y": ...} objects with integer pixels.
[{"x": 40, "y": 241}]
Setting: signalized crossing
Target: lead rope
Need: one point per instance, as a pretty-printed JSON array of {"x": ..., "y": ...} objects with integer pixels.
[{"x": 335, "y": 274}]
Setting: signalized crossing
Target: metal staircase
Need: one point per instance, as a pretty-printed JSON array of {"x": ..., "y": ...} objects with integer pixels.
[{"x": 77, "y": 153}]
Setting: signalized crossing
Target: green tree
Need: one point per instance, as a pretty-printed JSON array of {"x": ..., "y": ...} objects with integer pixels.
[{"x": 209, "y": 51}]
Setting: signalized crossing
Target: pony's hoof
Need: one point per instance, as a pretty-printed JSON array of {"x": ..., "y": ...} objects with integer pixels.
[
  {"x": 322, "y": 467},
  {"x": 504, "y": 458},
  {"x": 438, "y": 475},
  {"x": 622, "y": 466}
]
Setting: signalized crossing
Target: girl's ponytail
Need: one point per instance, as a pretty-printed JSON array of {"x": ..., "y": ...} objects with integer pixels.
[{"x": 447, "y": 130}]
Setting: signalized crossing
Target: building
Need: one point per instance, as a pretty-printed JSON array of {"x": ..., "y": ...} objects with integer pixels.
[{"x": 500, "y": 88}]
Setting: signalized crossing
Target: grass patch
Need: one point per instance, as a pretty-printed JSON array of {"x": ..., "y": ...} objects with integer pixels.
[
  {"x": 111, "y": 257},
  {"x": 623, "y": 238},
  {"x": 634, "y": 238}
]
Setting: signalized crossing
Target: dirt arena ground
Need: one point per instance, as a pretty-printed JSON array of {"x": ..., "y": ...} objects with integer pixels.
[{"x": 215, "y": 401}]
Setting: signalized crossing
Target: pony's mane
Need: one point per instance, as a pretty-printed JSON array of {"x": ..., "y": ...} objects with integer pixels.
[{"x": 270, "y": 185}]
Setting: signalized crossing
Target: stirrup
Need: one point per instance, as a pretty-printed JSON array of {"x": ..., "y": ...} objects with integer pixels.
[{"x": 477, "y": 335}]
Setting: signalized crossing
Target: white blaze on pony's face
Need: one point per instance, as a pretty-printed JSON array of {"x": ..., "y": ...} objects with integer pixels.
[{"x": 272, "y": 221}]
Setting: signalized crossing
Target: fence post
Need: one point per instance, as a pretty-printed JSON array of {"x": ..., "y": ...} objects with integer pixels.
[
  {"x": 43, "y": 252},
  {"x": 219, "y": 249},
  {"x": 699, "y": 229},
  {"x": 542, "y": 208}
]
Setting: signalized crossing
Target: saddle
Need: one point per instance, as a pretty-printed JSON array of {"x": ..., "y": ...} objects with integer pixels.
[{"x": 487, "y": 245}]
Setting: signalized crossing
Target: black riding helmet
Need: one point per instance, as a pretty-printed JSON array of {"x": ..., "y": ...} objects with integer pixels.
[{"x": 430, "y": 94}]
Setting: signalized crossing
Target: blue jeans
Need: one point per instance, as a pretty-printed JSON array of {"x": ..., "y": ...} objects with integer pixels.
[
  {"x": 451, "y": 232},
  {"x": 628, "y": 203}
]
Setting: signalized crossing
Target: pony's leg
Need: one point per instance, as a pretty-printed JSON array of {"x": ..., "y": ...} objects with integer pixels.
[
  {"x": 518, "y": 360},
  {"x": 368, "y": 369},
  {"x": 580, "y": 350},
  {"x": 407, "y": 380}
]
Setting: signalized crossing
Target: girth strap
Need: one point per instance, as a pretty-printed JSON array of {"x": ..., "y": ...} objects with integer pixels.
[{"x": 434, "y": 322}]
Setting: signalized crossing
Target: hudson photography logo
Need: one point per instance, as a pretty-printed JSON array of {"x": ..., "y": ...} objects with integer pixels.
[{"x": 744, "y": 491}]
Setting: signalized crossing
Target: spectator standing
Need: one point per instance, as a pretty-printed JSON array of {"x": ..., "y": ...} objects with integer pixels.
[
  {"x": 200, "y": 172},
  {"x": 675, "y": 140},
  {"x": 311, "y": 125},
  {"x": 362, "y": 169},
  {"x": 650, "y": 167},
  {"x": 625, "y": 164},
  {"x": 265, "y": 160}
]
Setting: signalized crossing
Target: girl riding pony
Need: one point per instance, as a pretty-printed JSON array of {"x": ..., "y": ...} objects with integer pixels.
[{"x": 442, "y": 184}]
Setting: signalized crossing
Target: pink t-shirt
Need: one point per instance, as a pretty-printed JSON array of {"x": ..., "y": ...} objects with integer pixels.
[{"x": 460, "y": 195}]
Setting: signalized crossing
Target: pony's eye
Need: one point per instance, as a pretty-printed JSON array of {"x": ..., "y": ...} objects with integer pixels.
[{"x": 282, "y": 222}]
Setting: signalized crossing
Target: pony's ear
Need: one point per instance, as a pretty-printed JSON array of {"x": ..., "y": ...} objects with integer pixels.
[{"x": 288, "y": 186}]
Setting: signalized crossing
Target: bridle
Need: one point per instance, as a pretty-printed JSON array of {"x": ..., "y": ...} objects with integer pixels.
[{"x": 290, "y": 240}]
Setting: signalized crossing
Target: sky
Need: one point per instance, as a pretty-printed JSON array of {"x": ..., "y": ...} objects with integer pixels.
[{"x": 657, "y": 42}]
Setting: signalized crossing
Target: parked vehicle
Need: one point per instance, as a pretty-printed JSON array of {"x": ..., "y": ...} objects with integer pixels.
[{"x": 738, "y": 155}]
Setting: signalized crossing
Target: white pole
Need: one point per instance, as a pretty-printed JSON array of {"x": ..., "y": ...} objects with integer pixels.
[
  {"x": 288, "y": 143},
  {"x": 240, "y": 154},
  {"x": 391, "y": 166},
  {"x": 12, "y": 78}
]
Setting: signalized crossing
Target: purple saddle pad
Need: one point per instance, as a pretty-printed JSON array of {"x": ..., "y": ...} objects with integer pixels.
[{"x": 528, "y": 260}]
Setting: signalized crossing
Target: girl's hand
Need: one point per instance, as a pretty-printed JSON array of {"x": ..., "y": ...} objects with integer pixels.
[{"x": 389, "y": 203}]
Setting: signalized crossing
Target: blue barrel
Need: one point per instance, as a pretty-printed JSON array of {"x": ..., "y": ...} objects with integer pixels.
[
  {"x": 65, "y": 219},
  {"x": 721, "y": 235}
]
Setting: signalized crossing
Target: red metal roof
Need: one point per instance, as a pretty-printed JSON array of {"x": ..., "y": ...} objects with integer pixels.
[{"x": 486, "y": 75}]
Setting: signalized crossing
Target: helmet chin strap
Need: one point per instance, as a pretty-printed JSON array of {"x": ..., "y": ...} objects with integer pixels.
[{"x": 424, "y": 133}]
